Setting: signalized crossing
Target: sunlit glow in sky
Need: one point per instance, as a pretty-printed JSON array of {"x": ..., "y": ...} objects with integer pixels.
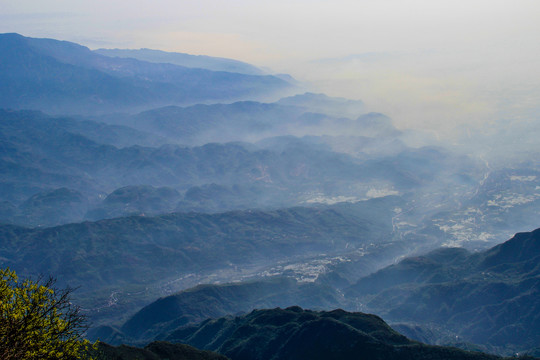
[{"x": 427, "y": 63}]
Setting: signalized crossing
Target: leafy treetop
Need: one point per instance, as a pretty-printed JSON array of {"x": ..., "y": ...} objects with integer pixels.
[{"x": 38, "y": 321}]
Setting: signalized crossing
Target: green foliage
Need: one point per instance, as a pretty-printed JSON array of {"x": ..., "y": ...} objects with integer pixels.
[
  {"x": 294, "y": 333},
  {"x": 38, "y": 321}
]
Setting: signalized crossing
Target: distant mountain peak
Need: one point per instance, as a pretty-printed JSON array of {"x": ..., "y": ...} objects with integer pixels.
[
  {"x": 523, "y": 246},
  {"x": 64, "y": 77},
  {"x": 294, "y": 333},
  {"x": 335, "y": 106},
  {"x": 183, "y": 59}
]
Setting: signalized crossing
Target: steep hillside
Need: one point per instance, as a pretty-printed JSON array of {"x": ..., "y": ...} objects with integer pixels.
[
  {"x": 294, "y": 333},
  {"x": 63, "y": 77},
  {"x": 140, "y": 258},
  {"x": 187, "y": 60},
  {"x": 213, "y": 301},
  {"x": 489, "y": 298}
]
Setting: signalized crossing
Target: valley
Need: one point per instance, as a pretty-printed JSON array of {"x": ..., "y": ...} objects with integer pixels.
[{"x": 204, "y": 201}]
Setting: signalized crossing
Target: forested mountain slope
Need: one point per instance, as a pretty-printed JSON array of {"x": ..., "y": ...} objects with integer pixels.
[
  {"x": 294, "y": 333},
  {"x": 489, "y": 298}
]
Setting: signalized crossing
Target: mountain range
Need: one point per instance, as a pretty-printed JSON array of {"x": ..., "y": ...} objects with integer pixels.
[
  {"x": 294, "y": 333},
  {"x": 191, "y": 200},
  {"x": 488, "y": 298},
  {"x": 63, "y": 77},
  {"x": 89, "y": 171},
  {"x": 291, "y": 333},
  {"x": 185, "y": 60},
  {"x": 483, "y": 301},
  {"x": 137, "y": 258}
]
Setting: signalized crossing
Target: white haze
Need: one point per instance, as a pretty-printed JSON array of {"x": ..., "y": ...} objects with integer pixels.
[
  {"x": 458, "y": 70},
  {"x": 489, "y": 104}
]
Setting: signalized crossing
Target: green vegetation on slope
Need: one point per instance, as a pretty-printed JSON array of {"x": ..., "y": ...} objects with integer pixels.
[
  {"x": 293, "y": 333},
  {"x": 488, "y": 298},
  {"x": 134, "y": 253},
  {"x": 38, "y": 321}
]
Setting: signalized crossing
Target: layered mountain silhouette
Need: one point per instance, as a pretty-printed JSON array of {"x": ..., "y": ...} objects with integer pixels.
[
  {"x": 484, "y": 301},
  {"x": 213, "y": 301},
  {"x": 38, "y": 153},
  {"x": 294, "y": 333},
  {"x": 42, "y": 155},
  {"x": 63, "y": 77},
  {"x": 136, "y": 200},
  {"x": 182, "y": 178},
  {"x": 291, "y": 333},
  {"x": 251, "y": 121},
  {"x": 488, "y": 298},
  {"x": 186, "y": 60},
  {"x": 322, "y": 103},
  {"x": 140, "y": 257}
]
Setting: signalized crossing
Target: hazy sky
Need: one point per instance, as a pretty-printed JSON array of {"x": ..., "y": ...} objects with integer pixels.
[{"x": 426, "y": 63}]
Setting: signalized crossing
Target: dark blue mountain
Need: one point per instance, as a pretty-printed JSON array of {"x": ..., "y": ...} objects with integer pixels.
[
  {"x": 488, "y": 298},
  {"x": 294, "y": 333},
  {"x": 40, "y": 154},
  {"x": 483, "y": 301},
  {"x": 63, "y": 77},
  {"x": 322, "y": 103},
  {"x": 187, "y": 60},
  {"x": 157, "y": 350},
  {"x": 138, "y": 258}
]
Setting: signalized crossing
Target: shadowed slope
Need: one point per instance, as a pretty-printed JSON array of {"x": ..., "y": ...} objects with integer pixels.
[
  {"x": 489, "y": 298},
  {"x": 294, "y": 333}
]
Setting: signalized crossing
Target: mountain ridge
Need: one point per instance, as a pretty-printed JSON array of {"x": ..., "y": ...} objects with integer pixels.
[
  {"x": 488, "y": 298},
  {"x": 147, "y": 256},
  {"x": 64, "y": 77},
  {"x": 183, "y": 59},
  {"x": 295, "y": 333}
]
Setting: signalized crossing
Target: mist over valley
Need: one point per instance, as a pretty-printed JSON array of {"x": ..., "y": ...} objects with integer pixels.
[{"x": 210, "y": 202}]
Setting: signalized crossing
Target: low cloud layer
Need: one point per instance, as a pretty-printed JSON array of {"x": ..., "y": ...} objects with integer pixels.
[{"x": 454, "y": 69}]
